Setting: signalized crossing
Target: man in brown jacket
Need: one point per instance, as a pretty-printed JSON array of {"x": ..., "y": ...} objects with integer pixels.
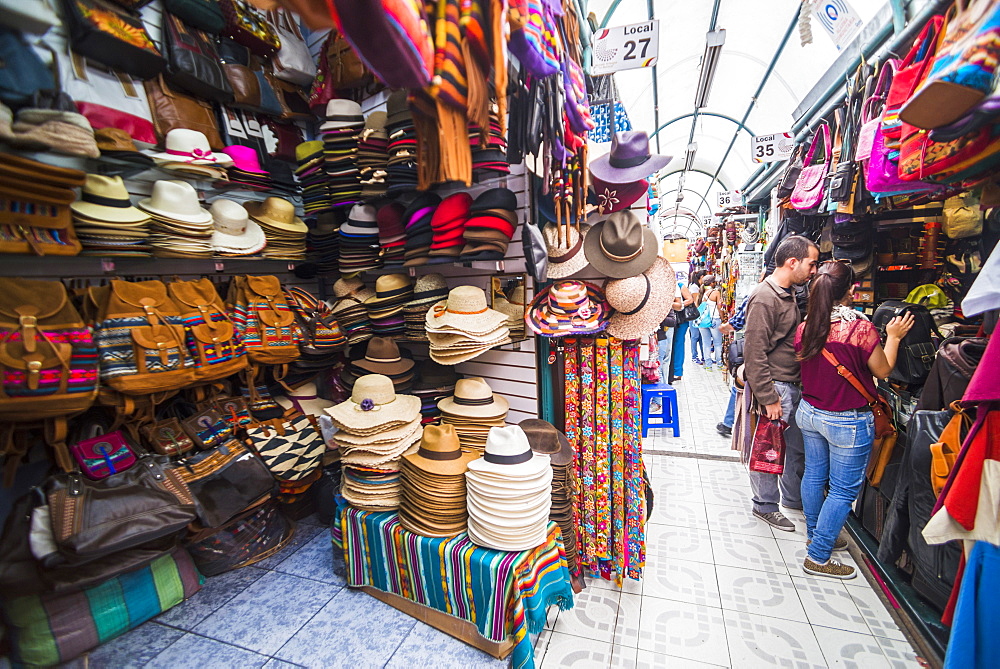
[{"x": 773, "y": 372}]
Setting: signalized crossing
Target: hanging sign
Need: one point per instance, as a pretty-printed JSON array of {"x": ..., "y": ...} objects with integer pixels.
[
  {"x": 626, "y": 47},
  {"x": 730, "y": 198},
  {"x": 772, "y": 148},
  {"x": 839, "y": 20}
]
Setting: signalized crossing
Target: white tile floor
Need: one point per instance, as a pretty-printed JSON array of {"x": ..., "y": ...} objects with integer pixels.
[{"x": 720, "y": 589}]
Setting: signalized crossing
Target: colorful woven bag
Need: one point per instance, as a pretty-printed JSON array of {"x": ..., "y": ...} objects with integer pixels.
[
  {"x": 263, "y": 319},
  {"x": 533, "y": 38},
  {"x": 291, "y": 448},
  {"x": 211, "y": 338},
  {"x": 909, "y": 73}
]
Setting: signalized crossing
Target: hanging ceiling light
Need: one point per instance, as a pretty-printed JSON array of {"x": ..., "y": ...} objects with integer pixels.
[
  {"x": 689, "y": 152},
  {"x": 709, "y": 63}
]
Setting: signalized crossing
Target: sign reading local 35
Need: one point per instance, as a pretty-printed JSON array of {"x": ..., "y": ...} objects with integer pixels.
[
  {"x": 626, "y": 47},
  {"x": 771, "y": 148}
]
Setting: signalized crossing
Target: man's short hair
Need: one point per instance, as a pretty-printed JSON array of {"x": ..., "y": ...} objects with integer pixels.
[{"x": 796, "y": 247}]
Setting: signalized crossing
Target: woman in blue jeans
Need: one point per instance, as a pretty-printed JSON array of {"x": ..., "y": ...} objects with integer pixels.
[
  {"x": 711, "y": 337},
  {"x": 838, "y": 428},
  {"x": 694, "y": 332}
]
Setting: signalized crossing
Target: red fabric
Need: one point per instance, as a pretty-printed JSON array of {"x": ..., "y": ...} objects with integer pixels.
[
  {"x": 390, "y": 220},
  {"x": 961, "y": 494},
  {"x": 949, "y": 610},
  {"x": 852, "y": 344},
  {"x": 140, "y": 129},
  {"x": 493, "y": 223},
  {"x": 452, "y": 208}
]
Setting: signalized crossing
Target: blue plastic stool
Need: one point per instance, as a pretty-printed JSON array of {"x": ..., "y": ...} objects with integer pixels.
[{"x": 669, "y": 416}]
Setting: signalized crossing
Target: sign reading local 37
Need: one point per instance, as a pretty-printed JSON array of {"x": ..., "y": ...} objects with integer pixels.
[
  {"x": 771, "y": 148},
  {"x": 626, "y": 47}
]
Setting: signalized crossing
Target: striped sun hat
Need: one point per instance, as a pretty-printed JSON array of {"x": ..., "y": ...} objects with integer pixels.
[{"x": 568, "y": 308}]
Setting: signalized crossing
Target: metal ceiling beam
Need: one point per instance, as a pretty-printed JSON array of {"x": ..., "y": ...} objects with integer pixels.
[
  {"x": 715, "y": 114},
  {"x": 715, "y": 177},
  {"x": 690, "y": 190},
  {"x": 609, "y": 14}
]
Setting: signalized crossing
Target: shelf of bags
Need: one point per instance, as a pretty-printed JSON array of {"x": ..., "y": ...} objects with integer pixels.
[{"x": 87, "y": 266}]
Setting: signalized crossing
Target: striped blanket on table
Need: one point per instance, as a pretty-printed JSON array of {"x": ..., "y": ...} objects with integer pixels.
[{"x": 504, "y": 594}]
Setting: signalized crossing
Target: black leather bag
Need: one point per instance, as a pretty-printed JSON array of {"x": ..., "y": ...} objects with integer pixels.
[
  {"x": 791, "y": 173},
  {"x": 193, "y": 62},
  {"x": 226, "y": 480},
  {"x": 918, "y": 347},
  {"x": 689, "y": 313}
]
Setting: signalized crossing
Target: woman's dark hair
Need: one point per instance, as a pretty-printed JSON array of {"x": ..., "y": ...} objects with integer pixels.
[
  {"x": 695, "y": 276},
  {"x": 832, "y": 283}
]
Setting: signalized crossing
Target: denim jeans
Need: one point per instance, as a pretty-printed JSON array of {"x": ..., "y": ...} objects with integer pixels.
[
  {"x": 697, "y": 349},
  {"x": 730, "y": 416},
  {"x": 666, "y": 347},
  {"x": 711, "y": 341},
  {"x": 837, "y": 446},
  {"x": 680, "y": 337},
  {"x": 771, "y": 489}
]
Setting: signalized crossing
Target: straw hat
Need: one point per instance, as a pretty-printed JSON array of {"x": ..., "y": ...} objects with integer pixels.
[
  {"x": 382, "y": 357},
  {"x": 192, "y": 147},
  {"x": 177, "y": 200},
  {"x": 106, "y": 199},
  {"x": 390, "y": 289},
  {"x": 277, "y": 213},
  {"x": 373, "y": 404},
  {"x": 641, "y": 302},
  {"x": 465, "y": 310},
  {"x": 621, "y": 246},
  {"x": 347, "y": 286},
  {"x": 565, "y": 259},
  {"x": 508, "y": 453},
  {"x": 234, "y": 231},
  {"x": 568, "y": 307},
  {"x": 441, "y": 453},
  {"x": 474, "y": 398}
]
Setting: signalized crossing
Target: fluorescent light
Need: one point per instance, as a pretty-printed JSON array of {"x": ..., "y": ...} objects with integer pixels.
[
  {"x": 689, "y": 152},
  {"x": 709, "y": 63}
]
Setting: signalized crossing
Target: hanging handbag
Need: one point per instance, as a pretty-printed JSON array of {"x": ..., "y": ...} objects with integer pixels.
[
  {"x": 234, "y": 410},
  {"x": 208, "y": 429},
  {"x": 23, "y": 72},
  {"x": 110, "y": 35},
  {"x": 193, "y": 63},
  {"x": 810, "y": 187},
  {"x": 944, "y": 452},
  {"x": 962, "y": 217},
  {"x": 173, "y": 109},
  {"x": 529, "y": 33},
  {"x": 293, "y": 62},
  {"x": 167, "y": 437},
  {"x": 885, "y": 431},
  {"x": 246, "y": 25},
  {"x": 291, "y": 447},
  {"x": 963, "y": 67},
  {"x": 293, "y": 99},
  {"x": 270, "y": 103},
  {"x": 909, "y": 73},
  {"x": 767, "y": 455},
  {"x": 690, "y": 312},
  {"x": 107, "y": 98},
  {"x": 224, "y": 481},
  {"x": 91, "y": 519},
  {"x": 791, "y": 174},
  {"x": 344, "y": 68},
  {"x": 103, "y": 456},
  {"x": 201, "y": 14},
  {"x": 288, "y": 136}
]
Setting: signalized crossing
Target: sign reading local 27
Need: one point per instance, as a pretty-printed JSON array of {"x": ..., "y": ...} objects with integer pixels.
[{"x": 626, "y": 47}]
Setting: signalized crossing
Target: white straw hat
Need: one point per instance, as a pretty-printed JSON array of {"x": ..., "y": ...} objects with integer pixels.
[
  {"x": 509, "y": 453},
  {"x": 234, "y": 231},
  {"x": 374, "y": 403},
  {"x": 192, "y": 147},
  {"x": 176, "y": 200}
]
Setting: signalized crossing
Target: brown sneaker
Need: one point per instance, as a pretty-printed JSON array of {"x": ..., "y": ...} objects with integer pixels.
[{"x": 832, "y": 569}]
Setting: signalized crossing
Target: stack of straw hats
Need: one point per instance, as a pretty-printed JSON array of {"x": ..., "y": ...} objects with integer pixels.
[
  {"x": 514, "y": 306},
  {"x": 509, "y": 493},
  {"x": 385, "y": 310},
  {"x": 106, "y": 223},
  {"x": 432, "y": 383},
  {"x": 373, "y": 155},
  {"x": 246, "y": 170},
  {"x": 312, "y": 177},
  {"x": 382, "y": 356},
  {"x": 359, "y": 247},
  {"x": 448, "y": 224},
  {"x": 568, "y": 307},
  {"x": 344, "y": 122},
  {"x": 464, "y": 327},
  {"x": 391, "y": 234},
  {"x": 473, "y": 410},
  {"x": 188, "y": 152},
  {"x": 493, "y": 219},
  {"x": 545, "y": 439},
  {"x": 349, "y": 309},
  {"x": 376, "y": 427},
  {"x": 433, "y": 484},
  {"x": 235, "y": 234},
  {"x": 285, "y": 232},
  {"x": 180, "y": 227},
  {"x": 419, "y": 233},
  {"x": 402, "y": 163},
  {"x": 428, "y": 290}
]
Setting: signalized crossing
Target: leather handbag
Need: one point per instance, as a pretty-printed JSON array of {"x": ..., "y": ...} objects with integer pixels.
[
  {"x": 224, "y": 481},
  {"x": 293, "y": 62},
  {"x": 344, "y": 68},
  {"x": 810, "y": 187},
  {"x": 211, "y": 336},
  {"x": 113, "y": 36},
  {"x": 291, "y": 447},
  {"x": 944, "y": 452},
  {"x": 167, "y": 437},
  {"x": 293, "y": 99},
  {"x": 689, "y": 313},
  {"x": 270, "y": 103},
  {"x": 104, "y": 455},
  {"x": 885, "y": 431},
  {"x": 246, "y": 25},
  {"x": 201, "y": 14},
  {"x": 193, "y": 63},
  {"x": 173, "y": 109},
  {"x": 236, "y": 66},
  {"x": 208, "y": 429},
  {"x": 91, "y": 519},
  {"x": 791, "y": 174},
  {"x": 289, "y": 136}
]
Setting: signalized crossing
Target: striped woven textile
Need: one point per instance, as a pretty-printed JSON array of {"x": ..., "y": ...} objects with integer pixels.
[
  {"x": 635, "y": 489},
  {"x": 603, "y": 457},
  {"x": 450, "y": 84},
  {"x": 588, "y": 479},
  {"x": 618, "y": 456},
  {"x": 504, "y": 594},
  {"x": 49, "y": 629}
]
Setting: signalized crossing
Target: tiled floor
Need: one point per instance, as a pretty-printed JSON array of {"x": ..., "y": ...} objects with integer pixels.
[{"x": 720, "y": 590}]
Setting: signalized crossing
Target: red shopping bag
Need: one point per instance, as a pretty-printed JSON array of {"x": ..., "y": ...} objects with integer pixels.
[{"x": 768, "y": 452}]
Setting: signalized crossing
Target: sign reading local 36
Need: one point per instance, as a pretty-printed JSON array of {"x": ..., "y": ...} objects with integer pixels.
[{"x": 626, "y": 47}]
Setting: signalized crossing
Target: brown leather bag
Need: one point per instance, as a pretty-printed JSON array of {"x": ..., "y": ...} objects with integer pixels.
[
  {"x": 211, "y": 337},
  {"x": 944, "y": 452},
  {"x": 172, "y": 109},
  {"x": 246, "y": 89},
  {"x": 294, "y": 99},
  {"x": 345, "y": 68}
]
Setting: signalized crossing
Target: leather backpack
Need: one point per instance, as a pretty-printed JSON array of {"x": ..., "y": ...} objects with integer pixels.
[
  {"x": 211, "y": 337},
  {"x": 918, "y": 348},
  {"x": 263, "y": 319}
]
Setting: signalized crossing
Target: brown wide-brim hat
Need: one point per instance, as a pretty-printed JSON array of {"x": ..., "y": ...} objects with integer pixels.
[
  {"x": 621, "y": 246},
  {"x": 543, "y": 436}
]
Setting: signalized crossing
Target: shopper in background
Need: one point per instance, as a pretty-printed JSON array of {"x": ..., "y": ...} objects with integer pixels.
[
  {"x": 773, "y": 372},
  {"x": 837, "y": 425},
  {"x": 711, "y": 337},
  {"x": 665, "y": 342},
  {"x": 697, "y": 346},
  {"x": 680, "y": 335},
  {"x": 735, "y": 324}
]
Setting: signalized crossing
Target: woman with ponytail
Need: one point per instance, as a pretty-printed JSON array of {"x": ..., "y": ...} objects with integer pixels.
[{"x": 837, "y": 425}]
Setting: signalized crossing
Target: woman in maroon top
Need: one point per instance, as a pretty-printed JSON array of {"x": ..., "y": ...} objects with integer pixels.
[{"x": 838, "y": 428}]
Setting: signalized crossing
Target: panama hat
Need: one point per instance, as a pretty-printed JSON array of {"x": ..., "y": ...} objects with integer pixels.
[
  {"x": 189, "y": 146},
  {"x": 508, "y": 453},
  {"x": 177, "y": 200},
  {"x": 568, "y": 307},
  {"x": 276, "y": 212},
  {"x": 106, "y": 199},
  {"x": 465, "y": 310},
  {"x": 474, "y": 398},
  {"x": 234, "y": 231},
  {"x": 341, "y": 113},
  {"x": 621, "y": 246},
  {"x": 617, "y": 197},
  {"x": 441, "y": 453},
  {"x": 391, "y": 290},
  {"x": 568, "y": 257},
  {"x": 640, "y": 302},
  {"x": 382, "y": 357},
  {"x": 374, "y": 404},
  {"x": 629, "y": 159},
  {"x": 395, "y": 434}
]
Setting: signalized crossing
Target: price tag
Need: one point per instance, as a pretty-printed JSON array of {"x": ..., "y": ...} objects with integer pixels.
[
  {"x": 626, "y": 47},
  {"x": 730, "y": 198},
  {"x": 771, "y": 148}
]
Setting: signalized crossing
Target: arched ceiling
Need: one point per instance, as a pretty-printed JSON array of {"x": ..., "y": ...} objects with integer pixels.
[{"x": 754, "y": 32}]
